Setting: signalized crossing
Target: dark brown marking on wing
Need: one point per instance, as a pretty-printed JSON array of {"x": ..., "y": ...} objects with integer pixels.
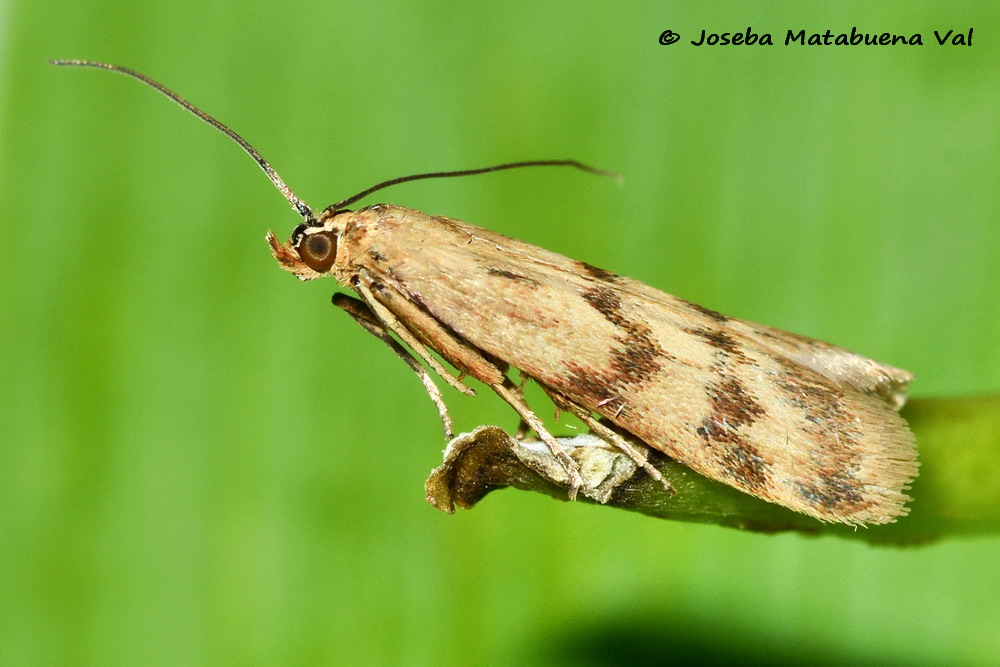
[
  {"x": 732, "y": 405},
  {"x": 578, "y": 380},
  {"x": 740, "y": 461},
  {"x": 837, "y": 492},
  {"x": 786, "y": 337},
  {"x": 745, "y": 466},
  {"x": 510, "y": 275},
  {"x": 634, "y": 357},
  {"x": 721, "y": 341},
  {"x": 637, "y": 359},
  {"x": 708, "y": 312},
  {"x": 638, "y": 356},
  {"x": 733, "y": 408},
  {"x": 607, "y": 303},
  {"x": 597, "y": 272}
]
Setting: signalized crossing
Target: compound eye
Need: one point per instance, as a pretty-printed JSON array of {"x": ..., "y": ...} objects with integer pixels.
[{"x": 318, "y": 250}]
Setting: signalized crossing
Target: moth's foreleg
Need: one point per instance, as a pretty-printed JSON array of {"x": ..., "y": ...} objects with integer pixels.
[
  {"x": 363, "y": 315},
  {"x": 386, "y": 317},
  {"x": 639, "y": 457},
  {"x": 522, "y": 426},
  {"x": 419, "y": 323}
]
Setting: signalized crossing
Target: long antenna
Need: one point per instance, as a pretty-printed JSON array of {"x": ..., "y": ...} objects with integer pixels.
[
  {"x": 296, "y": 203},
  {"x": 299, "y": 205},
  {"x": 333, "y": 208}
]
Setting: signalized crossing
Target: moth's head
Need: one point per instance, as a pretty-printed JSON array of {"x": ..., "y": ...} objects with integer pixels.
[{"x": 312, "y": 250}]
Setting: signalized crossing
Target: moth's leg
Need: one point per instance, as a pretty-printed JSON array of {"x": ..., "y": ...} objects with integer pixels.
[
  {"x": 522, "y": 426},
  {"x": 464, "y": 357},
  {"x": 514, "y": 400},
  {"x": 367, "y": 319},
  {"x": 386, "y": 316},
  {"x": 640, "y": 458}
]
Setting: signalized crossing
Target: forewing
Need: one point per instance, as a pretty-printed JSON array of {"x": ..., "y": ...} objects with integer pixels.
[{"x": 791, "y": 420}]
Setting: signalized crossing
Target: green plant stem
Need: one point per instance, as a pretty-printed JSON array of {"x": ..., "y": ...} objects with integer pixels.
[{"x": 957, "y": 492}]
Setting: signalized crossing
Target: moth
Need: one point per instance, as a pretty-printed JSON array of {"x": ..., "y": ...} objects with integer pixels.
[{"x": 788, "y": 419}]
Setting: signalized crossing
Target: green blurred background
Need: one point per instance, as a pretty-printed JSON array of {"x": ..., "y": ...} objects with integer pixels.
[{"x": 203, "y": 461}]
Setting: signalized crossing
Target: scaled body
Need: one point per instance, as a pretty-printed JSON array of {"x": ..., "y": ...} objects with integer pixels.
[{"x": 785, "y": 418}]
